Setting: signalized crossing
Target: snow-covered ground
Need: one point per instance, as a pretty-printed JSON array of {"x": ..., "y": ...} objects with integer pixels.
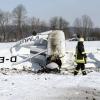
[
  {"x": 30, "y": 86},
  {"x": 21, "y": 85}
]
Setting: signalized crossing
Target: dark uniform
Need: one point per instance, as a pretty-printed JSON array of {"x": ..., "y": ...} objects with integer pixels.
[{"x": 80, "y": 58}]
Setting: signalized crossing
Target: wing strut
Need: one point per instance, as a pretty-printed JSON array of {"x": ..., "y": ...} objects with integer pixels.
[{"x": 31, "y": 56}]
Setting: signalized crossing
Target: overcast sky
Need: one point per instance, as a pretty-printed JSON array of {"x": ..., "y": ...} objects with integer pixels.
[{"x": 68, "y": 9}]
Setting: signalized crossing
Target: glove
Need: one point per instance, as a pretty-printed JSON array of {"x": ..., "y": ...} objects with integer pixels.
[{"x": 85, "y": 56}]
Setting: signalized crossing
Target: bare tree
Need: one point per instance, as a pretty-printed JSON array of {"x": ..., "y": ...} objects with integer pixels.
[
  {"x": 58, "y": 23},
  {"x": 44, "y": 26},
  {"x": 54, "y": 24},
  {"x": 87, "y": 25},
  {"x": 19, "y": 14},
  {"x": 61, "y": 24},
  {"x": 35, "y": 23},
  {"x": 77, "y": 26},
  {"x": 38, "y": 25},
  {"x": 4, "y": 21},
  {"x": 83, "y": 26}
]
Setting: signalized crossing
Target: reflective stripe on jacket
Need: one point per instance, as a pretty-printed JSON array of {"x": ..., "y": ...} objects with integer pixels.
[{"x": 80, "y": 60}]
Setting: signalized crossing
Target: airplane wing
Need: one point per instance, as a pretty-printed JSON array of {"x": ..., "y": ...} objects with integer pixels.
[
  {"x": 29, "y": 57},
  {"x": 39, "y": 39}
]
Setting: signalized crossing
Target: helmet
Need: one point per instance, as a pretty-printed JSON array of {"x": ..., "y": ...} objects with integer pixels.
[{"x": 81, "y": 39}]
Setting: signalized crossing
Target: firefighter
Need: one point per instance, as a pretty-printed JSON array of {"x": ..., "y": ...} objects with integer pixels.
[{"x": 80, "y": 57}]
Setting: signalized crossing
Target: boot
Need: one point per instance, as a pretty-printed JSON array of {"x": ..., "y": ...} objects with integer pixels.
[
  {"x": 75, "y": 73},
  {"x": 84, "y": 72}
]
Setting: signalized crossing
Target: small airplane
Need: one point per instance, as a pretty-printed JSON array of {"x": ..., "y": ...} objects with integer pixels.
[
  {"x": 37, "y": 49},
  {"x": 45, "y": 51}
]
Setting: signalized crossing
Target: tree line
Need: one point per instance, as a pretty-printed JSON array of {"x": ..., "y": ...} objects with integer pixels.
[{"x": 16, "y": 25}]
